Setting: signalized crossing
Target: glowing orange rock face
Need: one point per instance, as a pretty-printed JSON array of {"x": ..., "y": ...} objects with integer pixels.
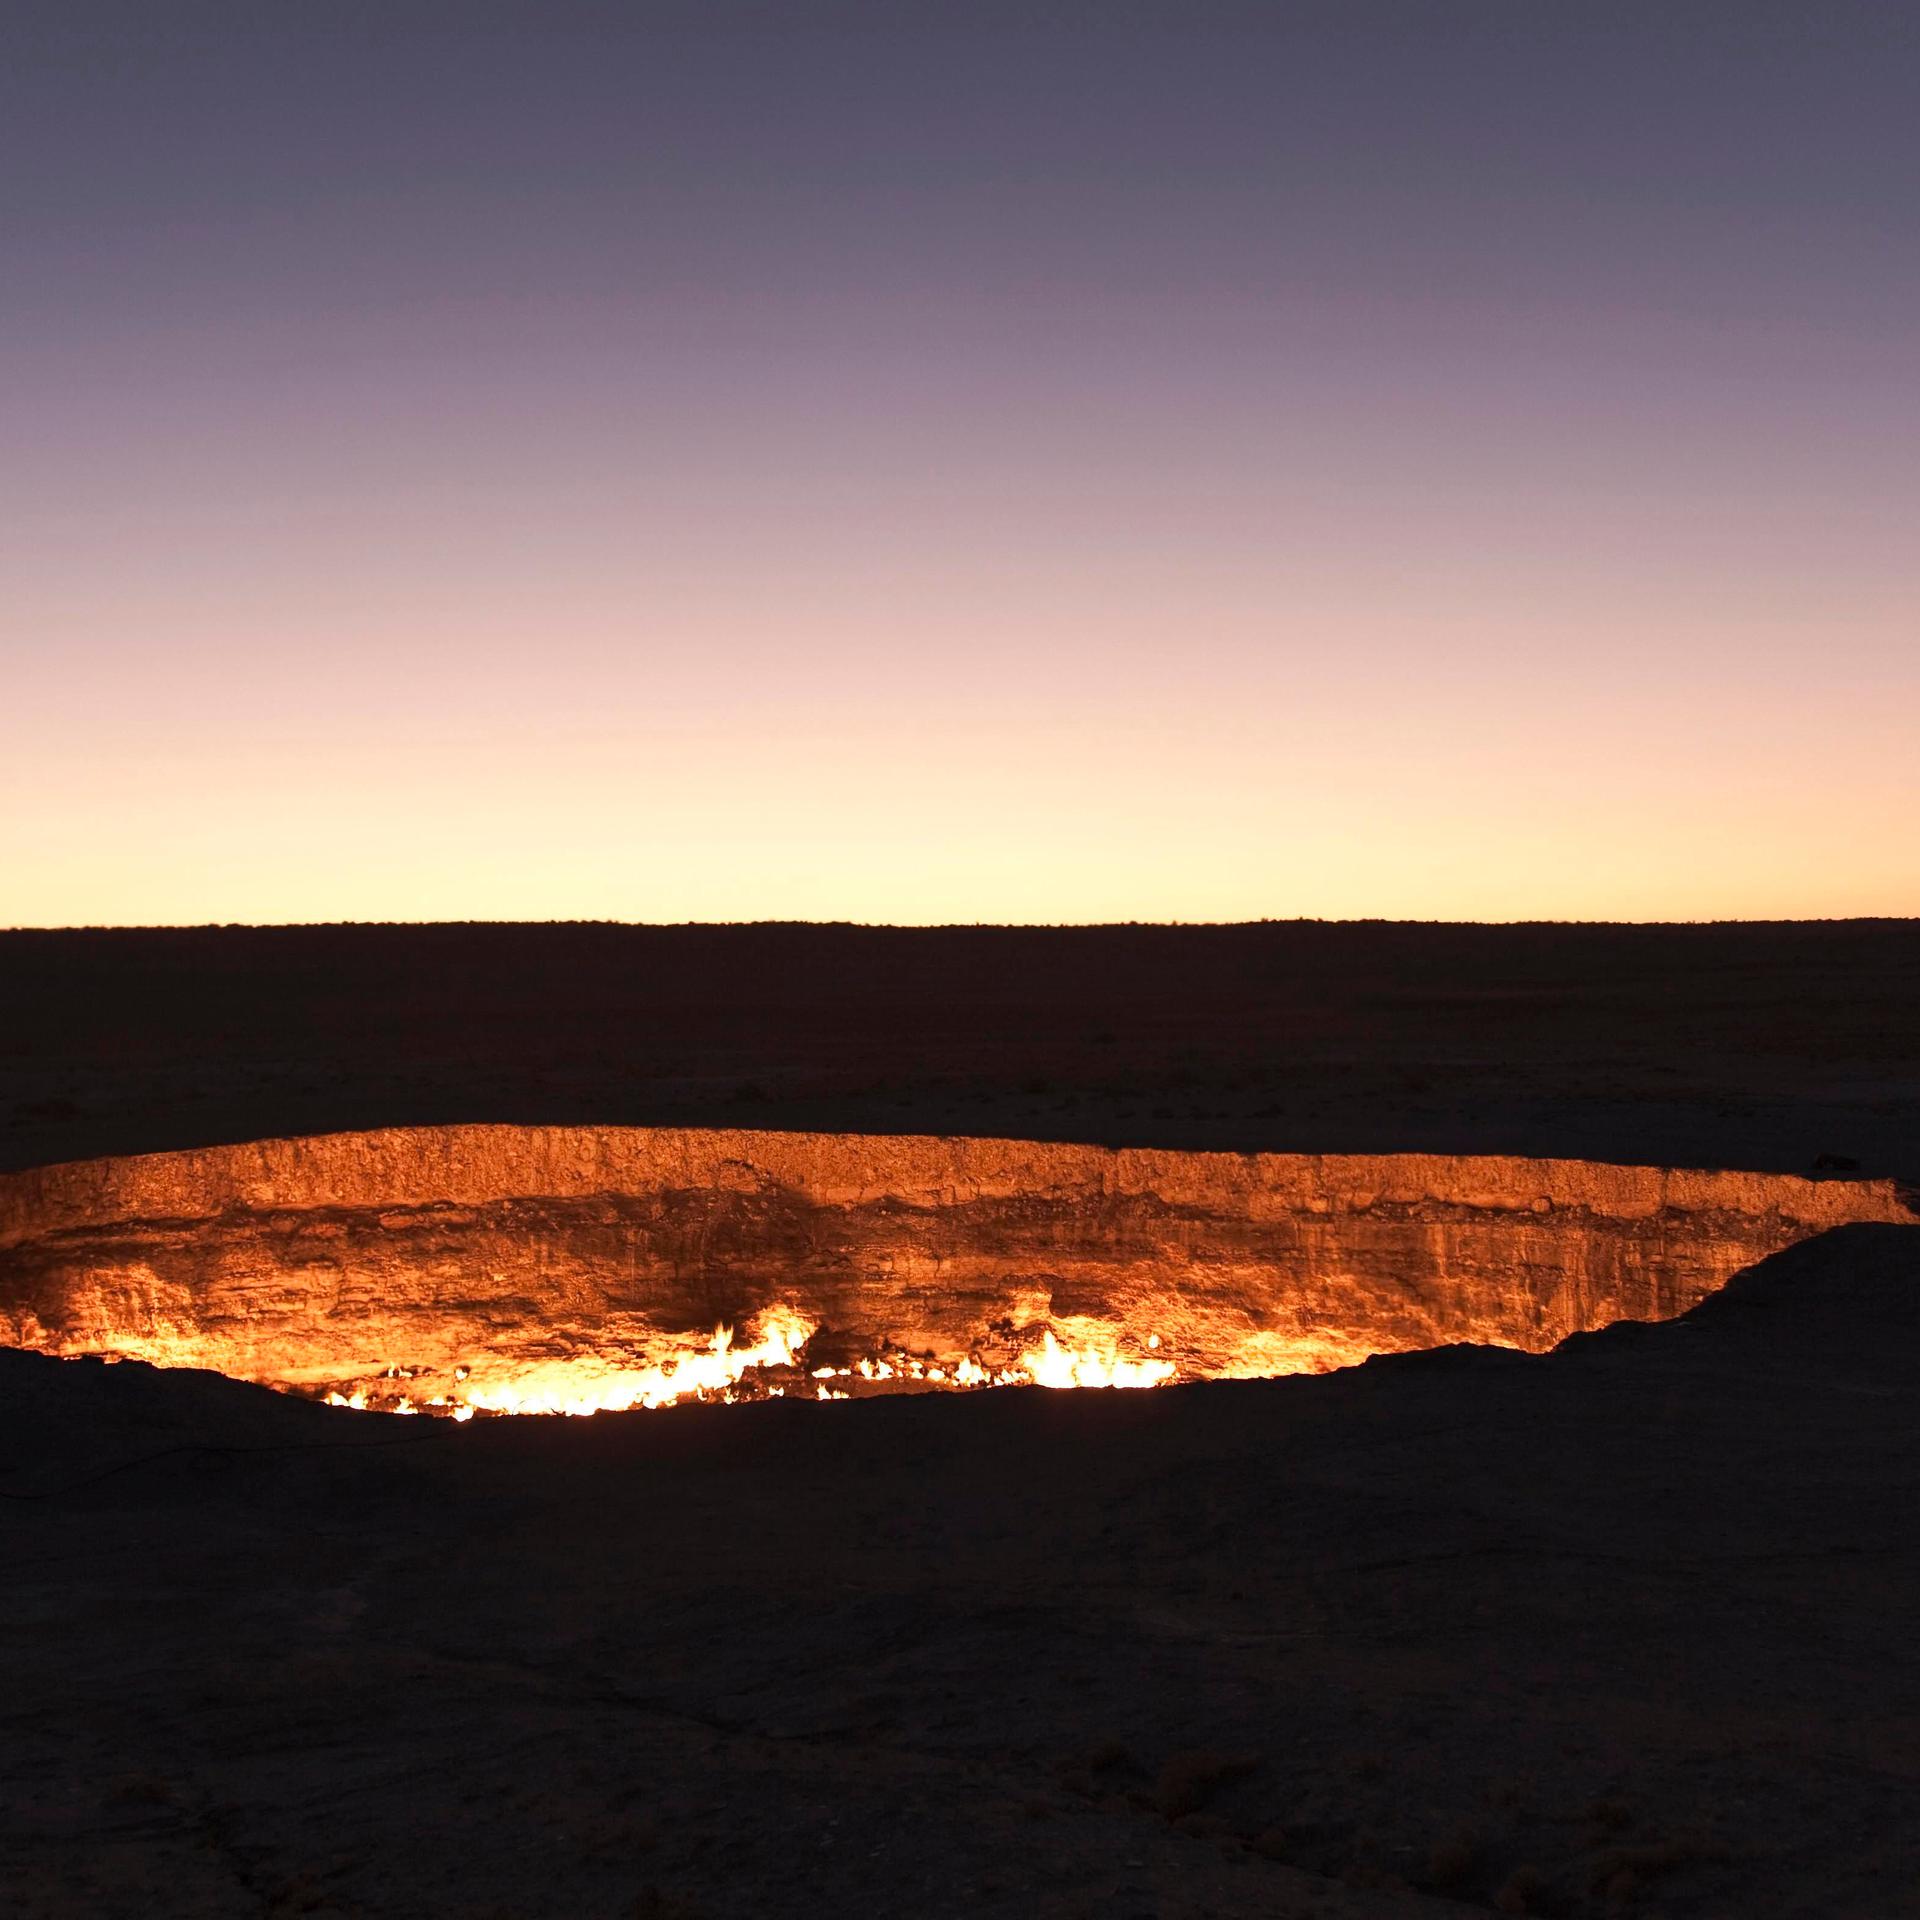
[{"x": 479, "y": 1270}]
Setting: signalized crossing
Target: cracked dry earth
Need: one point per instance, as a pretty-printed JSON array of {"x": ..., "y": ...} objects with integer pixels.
[{"x": 1626, "y": 1628}]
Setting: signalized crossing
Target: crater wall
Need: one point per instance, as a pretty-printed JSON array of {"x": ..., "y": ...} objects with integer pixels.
[{"x": 326, "y": 1261}]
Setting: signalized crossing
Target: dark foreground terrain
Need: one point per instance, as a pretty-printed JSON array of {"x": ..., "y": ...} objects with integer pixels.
[{"x": 1623, "y": 1629}]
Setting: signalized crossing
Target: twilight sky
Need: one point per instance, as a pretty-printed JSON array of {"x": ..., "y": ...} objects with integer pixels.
[{"x": 921, "y": 462}]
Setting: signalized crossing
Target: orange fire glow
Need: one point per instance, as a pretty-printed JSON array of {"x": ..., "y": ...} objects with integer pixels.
[{"x": 767, "y": 1366}]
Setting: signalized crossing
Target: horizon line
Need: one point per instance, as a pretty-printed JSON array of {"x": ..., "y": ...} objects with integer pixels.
[{"x": 945, "y": 926}]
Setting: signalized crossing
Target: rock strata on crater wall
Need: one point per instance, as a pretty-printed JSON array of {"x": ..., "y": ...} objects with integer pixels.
[{"x": 327, "y": 1261}]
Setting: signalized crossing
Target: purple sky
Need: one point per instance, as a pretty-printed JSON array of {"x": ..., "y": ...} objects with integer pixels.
[{"x": 948, "y": 463}]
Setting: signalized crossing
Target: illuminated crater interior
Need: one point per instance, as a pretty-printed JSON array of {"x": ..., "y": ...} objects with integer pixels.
[{"x": 501, "y": 1269}]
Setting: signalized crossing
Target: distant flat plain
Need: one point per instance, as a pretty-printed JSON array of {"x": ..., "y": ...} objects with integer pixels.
[{"x": 1752, "y": 1045}]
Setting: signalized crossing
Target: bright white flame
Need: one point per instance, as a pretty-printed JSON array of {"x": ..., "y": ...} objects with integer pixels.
[
  {"x": 1052, "y": 1365},
  {"x": 582, "y": 1387},
  {"x": 1086, "y": 1355}
]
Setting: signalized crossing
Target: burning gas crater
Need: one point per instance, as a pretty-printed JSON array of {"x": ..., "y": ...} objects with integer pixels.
[
  {"x": 463, "y": 1271},
  {"x": 771, "y": 1365}
]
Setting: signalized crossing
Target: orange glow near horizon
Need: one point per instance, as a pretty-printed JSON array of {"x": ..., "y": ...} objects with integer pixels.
[
  {"x": 868, "y": 717},
  {"x": 1255, "y": 760}
]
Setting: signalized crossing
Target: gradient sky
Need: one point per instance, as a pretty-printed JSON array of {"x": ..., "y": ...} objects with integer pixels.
[{"x": 975, "y": 462}]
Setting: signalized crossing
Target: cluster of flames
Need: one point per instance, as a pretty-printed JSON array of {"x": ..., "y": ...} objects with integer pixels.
[{"x": 723, "y": 1370}]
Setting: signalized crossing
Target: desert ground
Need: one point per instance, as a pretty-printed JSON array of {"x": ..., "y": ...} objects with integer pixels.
[
  {"x": 1757, "y": 1046},
  {"x": 1624, "y": 1628}
]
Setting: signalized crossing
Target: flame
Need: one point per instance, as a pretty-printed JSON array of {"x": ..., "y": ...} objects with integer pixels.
[
  {"x": 1052, "y": 1365},
  {"x": 1087, "y": 1356},
  {"x": 591, "y": 1386},
  {"x": 1071, "y": 1352}
]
